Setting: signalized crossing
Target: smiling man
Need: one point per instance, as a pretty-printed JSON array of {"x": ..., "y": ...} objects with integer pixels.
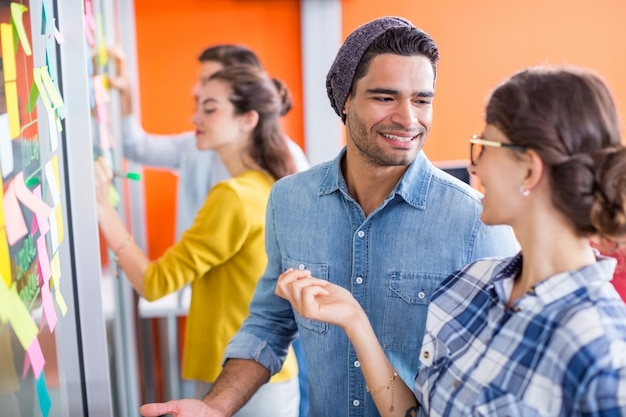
[{"x": 379, "y": 220}]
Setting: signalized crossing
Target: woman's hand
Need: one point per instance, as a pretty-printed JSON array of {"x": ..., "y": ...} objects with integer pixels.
[
  {"x": 103, "y": 177},
  {"x": 318, "y": 299},
  {"x": 121, "y": 80}
]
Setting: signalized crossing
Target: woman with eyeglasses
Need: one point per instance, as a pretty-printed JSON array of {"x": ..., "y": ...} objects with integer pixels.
[{"x": 542, "y": 333}]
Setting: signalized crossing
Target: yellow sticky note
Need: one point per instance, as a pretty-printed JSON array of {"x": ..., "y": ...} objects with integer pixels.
[
  {"x": 55, "y": 267},
  {"x": 52, "y": 178},
  {"x": 52, "y": 89},
  {"x": 37, "y": 78},
  {"x": 12, "y": 309},
  {"x": 10, "y": 90},
  {"x": 5, "y": 260},
  {"x": 8, "y": 53},
  {"x": 17, "y": 10},
  {"x": 114, "y": 196},
  {"x": 59, "y": 216}
]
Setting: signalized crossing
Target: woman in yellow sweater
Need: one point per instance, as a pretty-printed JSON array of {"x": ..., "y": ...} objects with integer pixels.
[{"x": 223, "y": 253}]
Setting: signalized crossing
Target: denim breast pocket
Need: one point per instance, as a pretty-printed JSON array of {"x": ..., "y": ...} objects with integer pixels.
[
  {"x": 406, "y": 305},
  {"x": 320, "y": 271}
]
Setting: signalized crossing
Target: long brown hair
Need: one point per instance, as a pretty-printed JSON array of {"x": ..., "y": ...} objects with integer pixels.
[{"x": 254, "y": 90}]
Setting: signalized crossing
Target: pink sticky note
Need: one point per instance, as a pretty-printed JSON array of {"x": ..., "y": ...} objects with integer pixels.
[
  {"x": 15, "y": 224},
  {"x": 35, "y": 356},
  {"x": 44, "y": 260},
  {"x": 48, "y": 308},
  {"x": 27, "y": 198},
  {"x": 38, "y": 222},
  {"x": 90, "y": 24},
  {"x": 89, "y": 35},
  {"x": 57, "y": 34},
  {"x": 91, "y": 20}
]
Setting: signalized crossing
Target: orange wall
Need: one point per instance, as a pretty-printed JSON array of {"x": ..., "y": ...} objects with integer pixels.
[
  {"x": 481, "y": 42},
  {"x": 170, "y": 36}
]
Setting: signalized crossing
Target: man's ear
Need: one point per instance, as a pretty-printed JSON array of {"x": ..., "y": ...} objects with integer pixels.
[
  {"x": 249, "y": 120},
  {"x": 345, "y": 105}
]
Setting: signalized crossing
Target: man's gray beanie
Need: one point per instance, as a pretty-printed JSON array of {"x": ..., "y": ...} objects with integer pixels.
[{"x": 341, "y": 74}]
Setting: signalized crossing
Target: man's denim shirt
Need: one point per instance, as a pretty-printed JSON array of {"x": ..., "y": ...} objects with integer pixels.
[{"x": 391, "y": 261}]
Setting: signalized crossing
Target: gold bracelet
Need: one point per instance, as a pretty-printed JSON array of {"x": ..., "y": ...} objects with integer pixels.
[
  {"x": 122, "y": 246},
  {"x": 388, "y": 386}
]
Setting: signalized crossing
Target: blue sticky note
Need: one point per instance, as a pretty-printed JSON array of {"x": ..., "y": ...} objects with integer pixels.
[{"x": 43, "y": 395}]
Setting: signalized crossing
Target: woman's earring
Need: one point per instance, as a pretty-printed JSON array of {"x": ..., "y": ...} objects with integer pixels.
[{"x": 523, "y": 191}]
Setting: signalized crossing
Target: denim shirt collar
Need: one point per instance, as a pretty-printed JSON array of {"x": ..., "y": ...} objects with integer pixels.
[{"x": 412, "y": 187}]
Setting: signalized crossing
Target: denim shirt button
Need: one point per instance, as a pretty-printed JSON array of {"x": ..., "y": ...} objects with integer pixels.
[
  {"x": 360, "y": 233},
  {"x": 359, "y": 280},
  {"x": 421, "y": 295},
  {"x": 301, "y": 267},
  {"x": 356, "y": 403},
  {"x": 357, "y": 364}
]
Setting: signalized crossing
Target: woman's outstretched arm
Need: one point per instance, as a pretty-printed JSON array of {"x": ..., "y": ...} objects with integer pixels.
[{"x": 318, "y": 299}]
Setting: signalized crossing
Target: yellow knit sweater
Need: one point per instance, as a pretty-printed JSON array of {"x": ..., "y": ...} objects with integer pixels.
[{"x": 222, "y": 255}]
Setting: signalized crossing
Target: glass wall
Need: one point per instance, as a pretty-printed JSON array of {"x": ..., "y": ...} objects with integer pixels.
[{"x": 54, "y": 355}]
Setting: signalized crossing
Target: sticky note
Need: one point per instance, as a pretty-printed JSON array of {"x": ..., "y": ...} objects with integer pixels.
[
  {"x": 56, "y": 228},
  {"x": 52, "y": 131},
  {"x": 15, "y": 225},
  {"x": 35, "y": 358},
  {"x": 33, "y": 95},
  {"x": 26, "y": 197},
  {"x": 13, "y": 310},
  {"x": 47, "y": 19},
  {"x": 39, "y": 223},
  {"x": 51, "y": 170},
  {"x": 51, "y": 88},
  {"x": 57, "y": 35},
  {"x": 5, "y": 260},
  {"x": 43, "y": 259},
  {"x": 55, "y": 267},
  {"x": 43, "y": 395},
  {"x": 49, "y": 312},
  {"x": 10, "y": 92},
  {"x": 17, "y": 11},
  {"x": 8, "y": 52},
  {"x": 41, "y": 89},
  {"x": 6, "y": 146}
]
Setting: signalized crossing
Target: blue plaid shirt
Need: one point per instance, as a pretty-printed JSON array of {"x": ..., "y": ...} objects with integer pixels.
[{"x": 558, "y": 351}]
